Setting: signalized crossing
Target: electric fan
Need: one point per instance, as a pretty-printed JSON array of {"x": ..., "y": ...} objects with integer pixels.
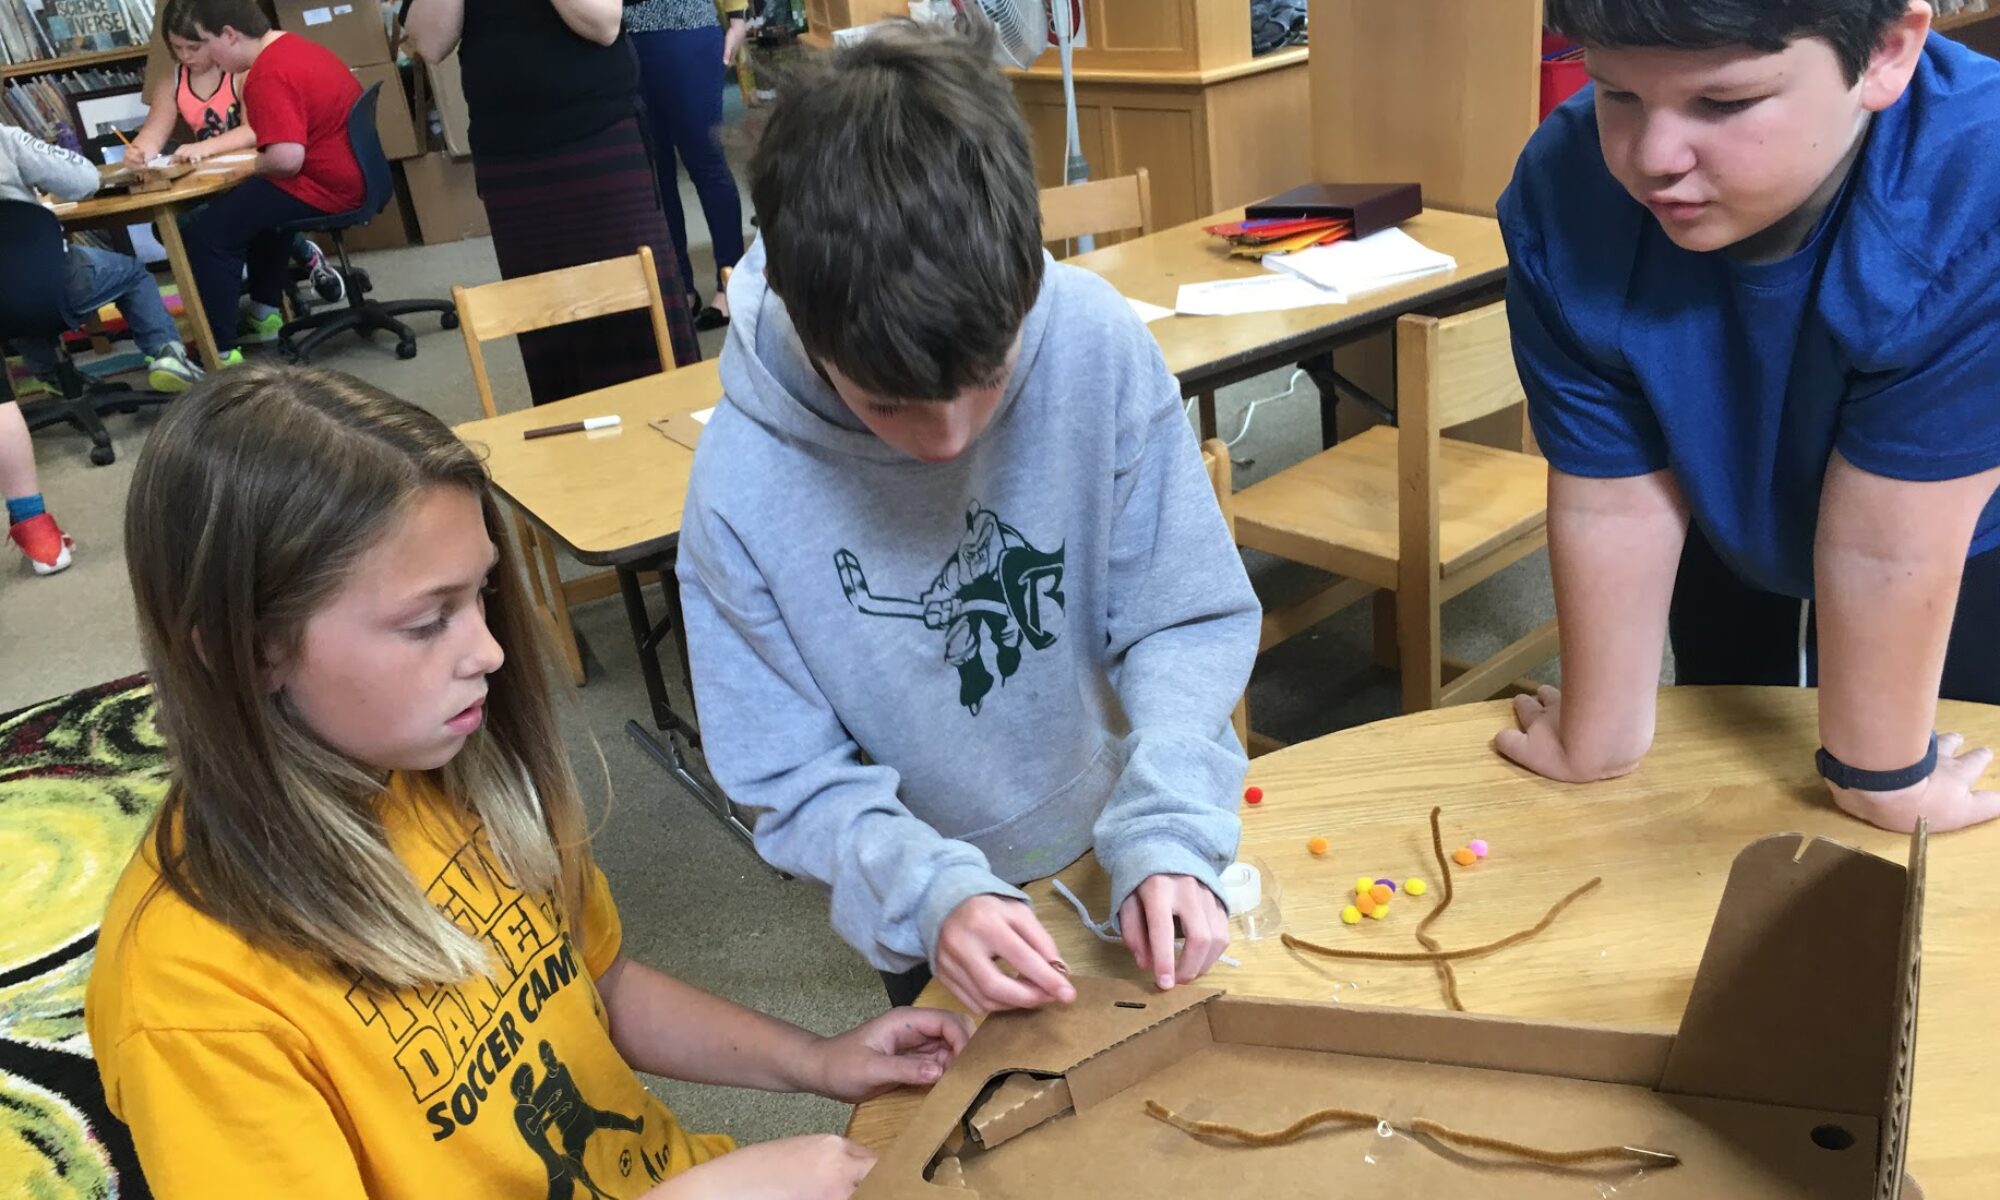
[{"x": 1022, "y": 28}]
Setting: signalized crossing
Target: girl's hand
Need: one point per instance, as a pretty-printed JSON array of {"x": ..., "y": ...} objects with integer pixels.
[
  {"x": 820, "y": 1167},
  {"x": 193, "y": 152},
  {"x": 910, "y": 1047},
  {"x": 1149, "y": 915},
  {"x": 136, "y": 156},
  {"x": 986, "y": 928},
  {"x": 733, "y": 39}
]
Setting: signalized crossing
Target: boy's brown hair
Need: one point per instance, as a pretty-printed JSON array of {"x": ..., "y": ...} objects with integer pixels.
[
  {"x": 195, "y": 19},
  {"x": 902, "y": 227}
]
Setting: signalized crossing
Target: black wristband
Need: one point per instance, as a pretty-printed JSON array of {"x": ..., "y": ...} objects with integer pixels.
[{"x": 1839, "y": 774}]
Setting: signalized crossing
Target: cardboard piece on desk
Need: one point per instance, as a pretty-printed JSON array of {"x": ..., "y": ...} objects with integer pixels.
[
  {"x": 1251, "y": 294},
  {"x": 684, "y": 427},
  {"x": 1789, "y": 1078}
]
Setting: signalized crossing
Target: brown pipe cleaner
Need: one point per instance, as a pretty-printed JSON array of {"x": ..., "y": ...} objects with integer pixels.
[
  {"x": 1447, "y": 978},
  {"x": 1431, "y": 956},
  {"x": 1600, "y": 1155}
]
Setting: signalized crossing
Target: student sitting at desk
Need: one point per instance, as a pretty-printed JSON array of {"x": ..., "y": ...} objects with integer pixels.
[
  {"x": 960, "y": 603},
  {"x": 96, "y": 277},
  {"x": 296, "y": 95},
  {"x": 1755, "y": 280},
  {"x": 209, "y": 100}
]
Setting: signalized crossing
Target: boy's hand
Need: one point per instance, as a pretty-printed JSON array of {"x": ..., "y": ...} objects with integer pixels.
[
  {"x": 1147, "y": 919},
  {"x": 902, "y": 1047},
  {"x": 820, "y": 1167},
  {"x": 986, "y": 928},
  {"x": 1949, "y": 799},
  {"x": 1538, "y": 744}
]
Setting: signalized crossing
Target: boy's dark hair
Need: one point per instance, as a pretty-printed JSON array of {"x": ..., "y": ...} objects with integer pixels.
[
  {"x": 1854, "y": 27},
  {"x": 896, "y": 195},
  {"x": 193, "y": 19}
]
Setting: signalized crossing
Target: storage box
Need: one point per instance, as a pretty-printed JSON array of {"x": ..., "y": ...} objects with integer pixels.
[
  {"x": 447, "y": 203},
  {"x": 393, "y": 123},
  {"x": 448, "y": 91},
  {"x": 1372, "y": 207},
  {"x": 1789, "y": 1078},
  {"x": 352, "y": 29},
  {"x": 391, "y": 227}
]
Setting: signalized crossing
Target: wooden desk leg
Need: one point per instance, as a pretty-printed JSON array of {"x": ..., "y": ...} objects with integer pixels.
[
  {"x": 1206, "y": 404},
  {"x": 168, "y": 218}
]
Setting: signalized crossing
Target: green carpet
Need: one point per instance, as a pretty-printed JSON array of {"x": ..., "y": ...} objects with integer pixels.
[{"x": 79, "y": 778}]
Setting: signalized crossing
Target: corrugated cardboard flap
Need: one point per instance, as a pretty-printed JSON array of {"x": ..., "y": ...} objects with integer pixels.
[
  {"x": 1807, "y": 991},
  {"x": 1107, "y": 1014}
]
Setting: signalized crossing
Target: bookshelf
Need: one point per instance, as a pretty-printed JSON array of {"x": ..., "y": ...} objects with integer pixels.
[{"x": 46, "y": 66}]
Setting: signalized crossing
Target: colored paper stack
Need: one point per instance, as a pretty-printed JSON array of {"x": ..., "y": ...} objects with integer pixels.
[{"x": 1284, "y": 235}]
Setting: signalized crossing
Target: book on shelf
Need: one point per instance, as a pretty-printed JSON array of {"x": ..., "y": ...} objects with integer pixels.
[
  {"x": 45, "y": 106},
  {"x": 37, "y": 30}
]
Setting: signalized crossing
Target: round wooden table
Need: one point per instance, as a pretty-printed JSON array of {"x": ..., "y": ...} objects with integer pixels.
[
  {"x": 164, "y": 208},
  {"x": 1729, "y": 766}
]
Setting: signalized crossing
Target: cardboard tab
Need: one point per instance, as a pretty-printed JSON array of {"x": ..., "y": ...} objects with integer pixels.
[{"x": 1018, "y": 1104}]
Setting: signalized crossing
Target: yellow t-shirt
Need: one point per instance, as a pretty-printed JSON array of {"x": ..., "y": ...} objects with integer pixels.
[{"x": 241, "y": 1074}]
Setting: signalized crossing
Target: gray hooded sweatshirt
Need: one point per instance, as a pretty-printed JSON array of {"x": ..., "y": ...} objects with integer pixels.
[{"x": 937, "y": 681}]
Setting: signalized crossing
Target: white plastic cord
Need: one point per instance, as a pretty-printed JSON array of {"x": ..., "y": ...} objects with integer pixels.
[
  {"x": 1250, "y": 410},
  {"x": 1805, "y": 615},
  {"x": 1103, "y": 928}
]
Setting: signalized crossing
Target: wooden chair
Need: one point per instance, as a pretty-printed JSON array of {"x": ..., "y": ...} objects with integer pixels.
[
  {"x": 1404, "y": 511},
  {"x": 1102, "y": 206},
  {"x": 529, "y": 303},
  {"x": 1215, "y": 457}
]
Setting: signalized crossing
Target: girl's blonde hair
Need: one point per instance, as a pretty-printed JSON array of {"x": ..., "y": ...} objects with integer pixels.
[{"x": 251, "y": 502}]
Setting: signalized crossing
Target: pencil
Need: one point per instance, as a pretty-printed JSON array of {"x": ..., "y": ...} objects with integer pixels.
[{"x": 571, "y": 427}]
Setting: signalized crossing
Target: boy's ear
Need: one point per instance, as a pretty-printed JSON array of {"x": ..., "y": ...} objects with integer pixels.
[{"x": 1887, "y": 75}]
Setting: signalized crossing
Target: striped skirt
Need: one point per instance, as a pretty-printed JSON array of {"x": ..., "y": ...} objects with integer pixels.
[{"x": 588, "y": 200}]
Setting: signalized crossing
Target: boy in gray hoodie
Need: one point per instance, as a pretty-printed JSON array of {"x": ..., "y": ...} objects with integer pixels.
[{"x": 959, "y": 602}]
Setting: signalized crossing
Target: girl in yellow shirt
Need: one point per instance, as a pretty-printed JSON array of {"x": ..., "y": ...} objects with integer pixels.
[{"x": 364, "y": 950}]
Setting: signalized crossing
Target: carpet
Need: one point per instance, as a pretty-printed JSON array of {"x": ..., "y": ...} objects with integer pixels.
[{"x": 79, "y": 779}]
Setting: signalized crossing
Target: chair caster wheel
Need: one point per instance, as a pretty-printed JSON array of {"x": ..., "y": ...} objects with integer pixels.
[
  {"x": 102, "y": 456},
  {"x": 406, "y": 349},
  {"x": 449, "y": 320}
]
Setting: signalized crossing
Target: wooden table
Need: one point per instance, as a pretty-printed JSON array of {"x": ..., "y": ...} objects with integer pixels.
[
  {"x": 164, "y": 209},
  {"x": 613, "y": 497},
  {"x": 1730, "y": 765},
  {"x": 1206, "y": 353}
]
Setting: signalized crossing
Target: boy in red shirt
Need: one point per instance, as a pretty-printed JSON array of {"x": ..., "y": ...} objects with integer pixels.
[{"x": 297, "y": 96}]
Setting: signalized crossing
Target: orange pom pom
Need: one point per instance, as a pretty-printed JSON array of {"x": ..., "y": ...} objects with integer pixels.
[
  {"x": 1380, "y": 893},
  {"x": 1316, "y": 844},
  {"x": 1464, "y": 857}
]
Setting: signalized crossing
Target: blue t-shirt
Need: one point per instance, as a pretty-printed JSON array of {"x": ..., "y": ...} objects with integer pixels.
[{"x": 1880, "y": 337}]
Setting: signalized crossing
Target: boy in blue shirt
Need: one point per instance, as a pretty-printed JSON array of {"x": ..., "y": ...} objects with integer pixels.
[{"x": 1755, "y": 278}]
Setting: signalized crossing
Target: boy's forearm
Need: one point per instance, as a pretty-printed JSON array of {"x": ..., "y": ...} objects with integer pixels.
[
  {"x": 281, "y": 160},
  {"x": 1614, "y": 548},
  {"x": 665, "y": 1027},
  {"x": 1888, "y": 561}
]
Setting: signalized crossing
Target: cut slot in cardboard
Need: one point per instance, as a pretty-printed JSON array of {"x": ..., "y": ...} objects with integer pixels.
[{"x": 1789, "y": 1078}]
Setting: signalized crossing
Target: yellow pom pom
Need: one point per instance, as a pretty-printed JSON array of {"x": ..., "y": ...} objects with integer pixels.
[
  {"x": 1351, "y": 915},
  {"x": 1363, "y": 885},
  {"x": 1416, "y": 887},
  {"x": 1381, "y": 910}
]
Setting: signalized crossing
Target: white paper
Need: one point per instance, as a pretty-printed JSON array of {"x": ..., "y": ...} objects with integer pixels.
[
  {"x": 341, "y": 10},
  {"x": 1253, "y": 294},
  {"x": 1148, "y": 313},
  {"x": 317, "y": 16},
  {"x": 245, "y": 156},
  {"x": 159, "y": 161},
  {"x": 701, "y": 416},
  {"x": 1352, "y": 267}
]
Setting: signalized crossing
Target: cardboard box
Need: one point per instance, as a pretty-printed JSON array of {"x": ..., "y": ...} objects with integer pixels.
[
  {"x": 447, "y": 203},
  {"x": 448, "y": 92},
  {"x": 352, "y": 29},
  {"x": 391, "y": 227},
  {"x": 393, "y": 123},
  {"x": 1789, "y": 1078}
]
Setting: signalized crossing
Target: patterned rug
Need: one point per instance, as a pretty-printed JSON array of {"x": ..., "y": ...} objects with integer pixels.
[{"x": 79, "y": 778}]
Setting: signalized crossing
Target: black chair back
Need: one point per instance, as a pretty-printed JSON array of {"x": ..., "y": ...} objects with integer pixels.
[
  {"x": 367, "y": 143},
  {"x": 34, "y": 262}
]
